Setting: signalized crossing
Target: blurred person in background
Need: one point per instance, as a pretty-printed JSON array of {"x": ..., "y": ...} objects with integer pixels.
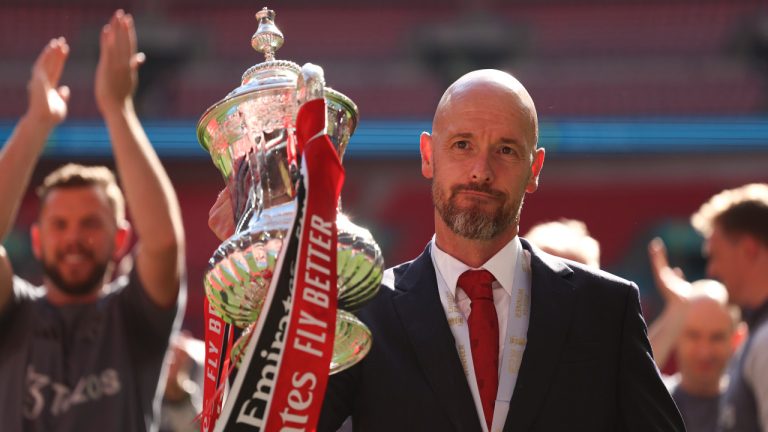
[
  {"x": 734, "y": 224},
  {"x": 82, "y": 353},
  {"x": 183, "y": 398},
  {"x": 696, "y": 324},
  {"x": 566, "y": 238},
  {"x": 702, "y": 331}
]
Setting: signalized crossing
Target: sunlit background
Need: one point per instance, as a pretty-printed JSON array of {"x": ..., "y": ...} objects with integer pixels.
[{"x": 647, "y": 107}]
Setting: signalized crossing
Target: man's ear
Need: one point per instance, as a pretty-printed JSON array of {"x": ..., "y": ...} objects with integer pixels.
[
  {"x": 740, "y": 334},
  {"x": 750, "y": 246},
  {"x": 425, "y": 146},
  {"x": 34, "y": 234},
  {"x": 122, "y": 240},
  {"x": 536, "y": 166}
]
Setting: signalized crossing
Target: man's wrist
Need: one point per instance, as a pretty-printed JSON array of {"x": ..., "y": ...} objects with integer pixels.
[
  {"x": 35, "y": 125},
  {"x": 116, "y": 109}
]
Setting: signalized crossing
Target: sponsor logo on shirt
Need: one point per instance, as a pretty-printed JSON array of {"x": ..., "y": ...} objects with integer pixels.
[{"x": 57, "y": 398}]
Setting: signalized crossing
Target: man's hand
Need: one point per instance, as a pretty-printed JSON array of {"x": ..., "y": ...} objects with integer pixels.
[
  {"x": 47, "y": 100},
  {"x": 220, "y": 218},
  {"x": 117, "y": 72},
  {"x": 670, "y": 282},
  {"x": 664, "y": 332}
]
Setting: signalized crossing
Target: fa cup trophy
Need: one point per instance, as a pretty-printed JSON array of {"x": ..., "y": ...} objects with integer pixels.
[{"x": 260, "y": 138}]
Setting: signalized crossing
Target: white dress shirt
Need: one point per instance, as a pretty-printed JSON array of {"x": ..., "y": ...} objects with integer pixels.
[{"x": 511, "y": 270}]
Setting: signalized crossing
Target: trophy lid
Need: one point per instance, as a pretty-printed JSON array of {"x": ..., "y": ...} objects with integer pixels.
[
  {"x": 267, "y": 40},
  {"x": 270, "y": 82},
  {"x": 270, "y": 74}
]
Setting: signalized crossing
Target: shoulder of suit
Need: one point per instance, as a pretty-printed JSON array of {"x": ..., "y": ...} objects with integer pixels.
[
  {"x": 600, "y": 274},
  {"x": 388, "y": 281},
  {"x": 576, "y": 270},
  {"x": 394, "y": 273}
]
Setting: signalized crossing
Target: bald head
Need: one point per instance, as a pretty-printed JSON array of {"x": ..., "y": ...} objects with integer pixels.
[
  {"x": 707, "y": 338},
  {"x": 493, "y": 86}
]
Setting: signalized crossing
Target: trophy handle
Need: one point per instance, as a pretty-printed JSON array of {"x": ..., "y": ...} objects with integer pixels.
[{"x": 310, "y": 84}]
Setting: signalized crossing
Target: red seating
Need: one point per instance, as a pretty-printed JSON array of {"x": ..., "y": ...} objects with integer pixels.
[{"x": 577, "y": 58}]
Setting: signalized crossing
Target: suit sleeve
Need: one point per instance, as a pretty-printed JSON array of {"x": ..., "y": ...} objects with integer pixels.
[
  {"x": 645, "y": 404},
  {"x": 339, "y": 397}
]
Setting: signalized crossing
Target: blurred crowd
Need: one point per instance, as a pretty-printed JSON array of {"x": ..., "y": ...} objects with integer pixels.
[{"x": 713, "y": 330}]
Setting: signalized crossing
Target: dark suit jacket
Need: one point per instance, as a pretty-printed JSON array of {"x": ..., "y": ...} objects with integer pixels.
[{"x": 587, "y": 365}]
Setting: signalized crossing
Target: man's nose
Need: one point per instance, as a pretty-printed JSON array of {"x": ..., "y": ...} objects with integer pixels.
[
  {"x": 482, "y": 171},
  {"x": 700, "y": 351},
  {"x": 705, "y": 349},
  {"x": 73, "y": 235}
]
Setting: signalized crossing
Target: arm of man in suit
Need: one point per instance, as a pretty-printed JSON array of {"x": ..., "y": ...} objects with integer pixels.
[
  {"x": 645, "y": 404},
  {"x": 339, "y": 397}
]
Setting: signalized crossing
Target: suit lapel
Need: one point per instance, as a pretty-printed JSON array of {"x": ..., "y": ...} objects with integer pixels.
[
  {"x": 551, "y": 313},
  {"x": 424, "y": 320}
]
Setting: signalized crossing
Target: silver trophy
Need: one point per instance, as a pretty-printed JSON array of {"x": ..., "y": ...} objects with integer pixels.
[{"x": 250, "y": 135}]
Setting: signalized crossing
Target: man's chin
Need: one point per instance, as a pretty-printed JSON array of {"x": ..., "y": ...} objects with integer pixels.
[
  {"x": 79, "y": 288},
  {"x": 475, "y": 212},
  {"x": 81, "y": 284}
]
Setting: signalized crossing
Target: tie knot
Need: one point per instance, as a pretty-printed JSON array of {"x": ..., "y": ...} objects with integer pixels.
[{"x": 477, "y": 284}]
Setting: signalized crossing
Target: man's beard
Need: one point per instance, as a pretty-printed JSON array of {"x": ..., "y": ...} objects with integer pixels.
[
  {"x": 473, "y": 222},
  {"x": 87, "y": 286}
]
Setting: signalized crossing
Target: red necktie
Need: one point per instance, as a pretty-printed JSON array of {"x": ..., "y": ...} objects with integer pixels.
[{"x": 483, "y": 336}]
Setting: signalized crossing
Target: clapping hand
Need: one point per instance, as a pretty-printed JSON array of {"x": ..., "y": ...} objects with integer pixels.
[
  {"x": 117, "y": 72},
  {"x": 48, "y": 100}
]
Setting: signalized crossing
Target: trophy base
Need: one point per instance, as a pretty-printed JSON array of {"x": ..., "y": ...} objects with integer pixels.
[{"x": 350, "y": 345}]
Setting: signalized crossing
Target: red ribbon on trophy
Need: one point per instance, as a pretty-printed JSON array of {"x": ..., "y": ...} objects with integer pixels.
[
  {"x": 281, "y": 383},
  {"x": 299, "y": 391},
  {"x": 218, "y": 340}
]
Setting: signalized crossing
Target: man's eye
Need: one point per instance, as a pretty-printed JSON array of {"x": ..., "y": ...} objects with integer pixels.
[
  {"x": 507, "y": 150},
  {"x": 91, "y": 223},
  {"x": 461, "y": 144}
]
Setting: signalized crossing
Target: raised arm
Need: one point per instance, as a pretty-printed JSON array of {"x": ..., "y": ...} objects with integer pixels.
[
  {"x": 150, "y": 195},
  {"x": 675, "y": 290},
  {"x": 18, "y": 157}
]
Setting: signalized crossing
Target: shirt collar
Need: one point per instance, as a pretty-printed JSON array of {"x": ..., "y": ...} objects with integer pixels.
[
  {"x": 502, "y": 265},
  {"x": 755, "y": 317}
]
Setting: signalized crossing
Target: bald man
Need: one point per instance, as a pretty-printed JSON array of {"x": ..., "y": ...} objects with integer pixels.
[
  {"x": 483, "y": 332},
  {"x": 566, "y": 238}
]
